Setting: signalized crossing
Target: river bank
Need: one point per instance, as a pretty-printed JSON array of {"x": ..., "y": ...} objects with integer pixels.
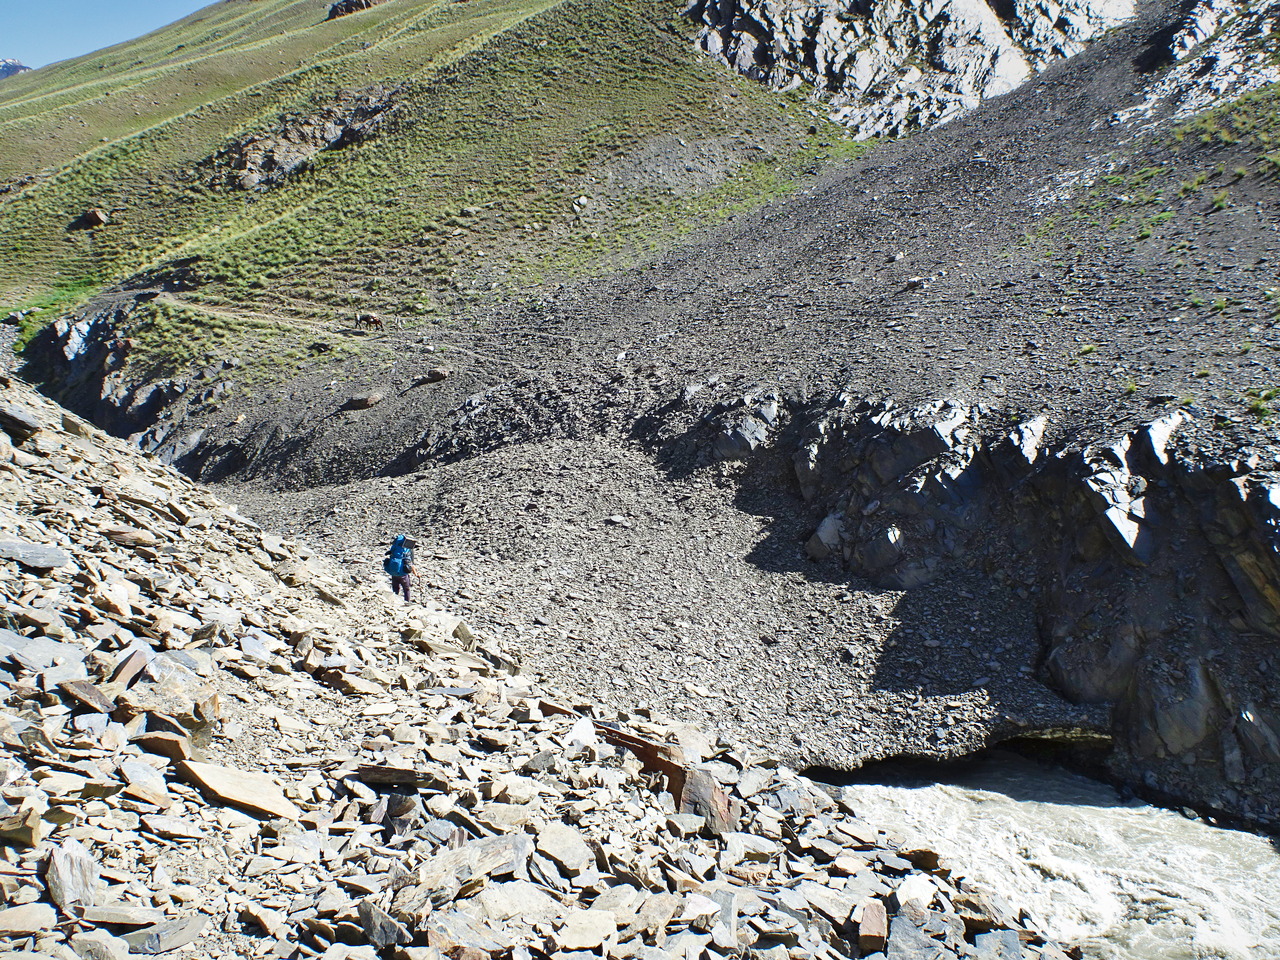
[{"x": 1117, "y": 878}]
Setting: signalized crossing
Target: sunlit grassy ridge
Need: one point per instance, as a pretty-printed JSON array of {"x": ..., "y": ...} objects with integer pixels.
[{"x": 509, "y": 111}]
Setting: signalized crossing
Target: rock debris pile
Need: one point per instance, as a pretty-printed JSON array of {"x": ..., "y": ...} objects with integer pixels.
[
  {"x": 1223, "y": 51},
  {"x": 265, "y": 160},
  {"x": 890, "y": 66},
  {"x": 215, "y": 740}
]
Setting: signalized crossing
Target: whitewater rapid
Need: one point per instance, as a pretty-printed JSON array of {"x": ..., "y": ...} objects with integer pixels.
[{"x": 1118, "y": 878}]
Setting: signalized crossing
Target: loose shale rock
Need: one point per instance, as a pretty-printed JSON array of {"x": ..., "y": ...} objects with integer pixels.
[{"x": 203, "y": 747}]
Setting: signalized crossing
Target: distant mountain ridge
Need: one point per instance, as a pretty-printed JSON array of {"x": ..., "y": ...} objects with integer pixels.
[{"x": 10, "y": 67}]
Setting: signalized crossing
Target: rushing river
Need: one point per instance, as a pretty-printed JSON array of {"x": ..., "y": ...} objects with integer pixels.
[{"x": 1120, "y": 879}]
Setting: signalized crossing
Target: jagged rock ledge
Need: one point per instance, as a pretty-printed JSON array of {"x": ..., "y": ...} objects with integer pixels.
[
  {"x": 1154, "y": 568},
  {"x": 892, "y": 66},
  {"x": 889, "y": 67}
]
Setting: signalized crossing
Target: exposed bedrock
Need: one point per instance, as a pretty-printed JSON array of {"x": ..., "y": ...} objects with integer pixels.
[
  {"x": 889, "y": 66},
  {"x": 886, "y": 67},
  {"x": 89, "y": 365},
  {"x": 267, "y": 159},
  {"x": 1152, "y": 567},
  {"x": 1155, "y": 574}
]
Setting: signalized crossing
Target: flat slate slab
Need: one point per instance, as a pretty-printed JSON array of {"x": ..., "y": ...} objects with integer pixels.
[
  {"x": 28, "y": 918},
  {"x": 19, "y": 422},
  {"x": 38, "y": 654},
  {"x": 36, "y": 556},
  {"x": 163, "y": 937},
  {"x": 252, "y": 792}
]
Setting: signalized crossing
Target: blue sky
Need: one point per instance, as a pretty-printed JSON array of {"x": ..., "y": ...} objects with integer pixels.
[{"x": 40, "y": 32}]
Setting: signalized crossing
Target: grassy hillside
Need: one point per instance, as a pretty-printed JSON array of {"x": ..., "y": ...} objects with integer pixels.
[{"x": 532, "y": 137}]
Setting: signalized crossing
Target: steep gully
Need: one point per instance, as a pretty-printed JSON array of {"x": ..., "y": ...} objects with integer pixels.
[{"x": 874, "y": 579}]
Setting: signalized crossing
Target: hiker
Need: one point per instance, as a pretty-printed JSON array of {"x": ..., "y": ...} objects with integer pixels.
[{"x": 399, "y": 564}]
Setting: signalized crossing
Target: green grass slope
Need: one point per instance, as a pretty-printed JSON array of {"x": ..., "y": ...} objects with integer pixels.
[{"x": 533, "y": 138}]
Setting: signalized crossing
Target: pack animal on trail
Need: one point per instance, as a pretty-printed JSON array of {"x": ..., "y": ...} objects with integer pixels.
[{"x": 369, "y": 321}]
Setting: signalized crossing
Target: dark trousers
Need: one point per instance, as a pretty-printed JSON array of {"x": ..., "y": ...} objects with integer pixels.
[{"x": 401, "y": 583}]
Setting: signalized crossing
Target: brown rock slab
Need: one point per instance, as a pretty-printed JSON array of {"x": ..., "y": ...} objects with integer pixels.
[
  {"x": 254, "y": 793},
  {"x": 88, "y": 695},
  {"x": 703, "y": 795},
  {"x": 563, "y": 844},
  {"x": 434, "y": 375},
  {"x": 129, "y": 537},
  {"x": 129, "y": 667},
  {"x": 873, "y": 927},
  {"x": 25, "y": 828},
  {"x": 26, "y": 919},
  {"x": 586, "y": 929},
  {"x": 353, "y": 685},
  {"x": 170, "y": 745},
  {"x": 272, "y": 922},
  {"x": 172, "y": 828},
  {"x": 363, "y": 401}
]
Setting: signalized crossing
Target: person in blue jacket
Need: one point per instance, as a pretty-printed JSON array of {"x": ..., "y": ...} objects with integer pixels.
[{"x": 399, "y": 564}]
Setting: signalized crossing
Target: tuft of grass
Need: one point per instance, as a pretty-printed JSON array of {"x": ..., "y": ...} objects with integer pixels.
[
  {"x": 1088, "y": 349},
  {"x": 52, "y": 303},
  {"x": 1188, "y": 187},
  {"x": 1258, "y": 401},
  {"x": 1253, "y": 118}
]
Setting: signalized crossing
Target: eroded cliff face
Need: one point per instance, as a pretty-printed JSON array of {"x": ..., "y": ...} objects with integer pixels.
[
  {"x": 886, "y": 67},
  {"x": 890, "y": 66},
  {"x": 1147, "y": 563},
  {"x": 1153, "y": 568}
]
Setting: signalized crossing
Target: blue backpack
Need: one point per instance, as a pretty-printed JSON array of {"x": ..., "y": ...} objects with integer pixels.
[{"x": 399, "y": 558}]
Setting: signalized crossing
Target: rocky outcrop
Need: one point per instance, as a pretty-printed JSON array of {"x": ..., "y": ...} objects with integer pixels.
[
  {"x": 1154, "y": 570},
  {"x": 212, "y": 738},
  {"x": 344, "y": 7},
  {"x": 9, "y": 68},
  {"x": 264, "y": 160},
  {"x": 1223, "y": 50},
  {"x": 889, "y": 66},
  {"x": 84, "y": 357}
]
